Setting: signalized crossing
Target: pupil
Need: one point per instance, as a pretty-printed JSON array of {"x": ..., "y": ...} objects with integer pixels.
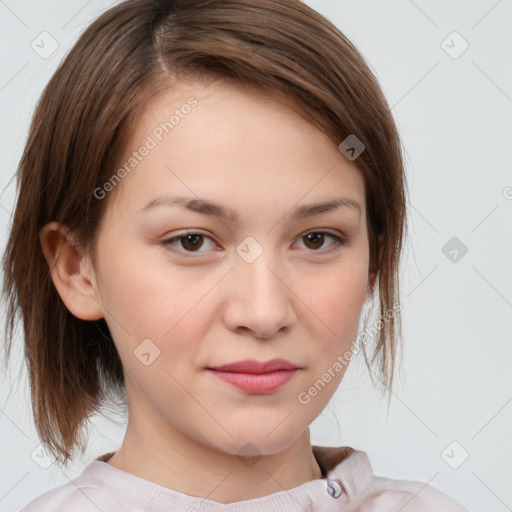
[
  {"x": 315, "y": 237},
  {"x": 189, "y": 239}
]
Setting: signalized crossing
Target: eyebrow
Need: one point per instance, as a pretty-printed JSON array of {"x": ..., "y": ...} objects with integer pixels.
[{"x": 216, "y": 210}]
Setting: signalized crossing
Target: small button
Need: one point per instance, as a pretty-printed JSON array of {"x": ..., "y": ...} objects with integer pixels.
[{"x": 334, "y": 488}]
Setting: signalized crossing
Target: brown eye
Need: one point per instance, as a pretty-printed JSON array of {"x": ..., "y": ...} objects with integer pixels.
[
  {"x": 188, "y": 243},
  {"x": 315, "y": 239},
  {"x": 192, "y": 242}
]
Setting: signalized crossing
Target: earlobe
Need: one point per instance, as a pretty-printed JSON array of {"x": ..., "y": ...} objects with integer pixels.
[{"x": 71, "y": 271}]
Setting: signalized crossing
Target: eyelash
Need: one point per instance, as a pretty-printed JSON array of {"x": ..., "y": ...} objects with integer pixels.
[{"x": 340, "y": 241}]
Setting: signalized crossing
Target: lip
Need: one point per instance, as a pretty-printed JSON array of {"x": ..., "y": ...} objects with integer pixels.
[
  {"x": 256, "y": 377},
  {"x": 253, "y": 366}
]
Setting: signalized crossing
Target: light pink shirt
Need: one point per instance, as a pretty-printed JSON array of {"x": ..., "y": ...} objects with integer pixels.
[{"x": 348, "y": 485}]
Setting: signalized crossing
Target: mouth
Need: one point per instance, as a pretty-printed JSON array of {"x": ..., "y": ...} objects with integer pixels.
[{"x": 256, "y": 377}]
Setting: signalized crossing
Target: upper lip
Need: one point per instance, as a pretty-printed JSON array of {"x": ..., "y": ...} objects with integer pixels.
[{"x": 253, "y": 366}]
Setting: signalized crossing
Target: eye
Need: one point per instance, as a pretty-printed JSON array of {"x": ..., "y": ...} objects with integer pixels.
[
  {"x": 314, "y": 239},
  {"x": 192, "y": 241}
]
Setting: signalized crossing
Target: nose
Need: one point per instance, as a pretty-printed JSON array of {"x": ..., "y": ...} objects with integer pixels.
[{"x": 260, "y": 299}]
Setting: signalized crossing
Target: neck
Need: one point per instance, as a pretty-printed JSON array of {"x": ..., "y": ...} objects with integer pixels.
[{"x": 161, "y": 453}]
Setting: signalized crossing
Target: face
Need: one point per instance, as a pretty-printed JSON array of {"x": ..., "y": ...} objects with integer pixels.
[{"x": 186, "y": 287}]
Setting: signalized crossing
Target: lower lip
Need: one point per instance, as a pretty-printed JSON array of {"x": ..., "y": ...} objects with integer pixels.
[{"x": 256, "y": 382}]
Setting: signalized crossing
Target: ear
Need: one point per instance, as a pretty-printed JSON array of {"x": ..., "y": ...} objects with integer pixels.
[
  {"x": 375, "y": 264},
  {"x": 71, "y": 271}
]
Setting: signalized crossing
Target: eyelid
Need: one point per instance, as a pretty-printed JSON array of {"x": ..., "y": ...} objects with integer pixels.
[
  {"x": 166, "y": 243},
  {"x": 340, "y": 240}
]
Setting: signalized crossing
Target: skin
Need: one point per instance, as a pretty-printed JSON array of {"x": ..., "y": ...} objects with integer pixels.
[{"x": 299, "y": 300}]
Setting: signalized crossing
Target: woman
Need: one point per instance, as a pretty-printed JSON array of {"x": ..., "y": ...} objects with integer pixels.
[{"x": 210, "y": 192}]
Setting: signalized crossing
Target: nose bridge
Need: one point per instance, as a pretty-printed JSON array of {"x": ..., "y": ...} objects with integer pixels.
[
  {"x": 260, "y": 298},
  {"x": 256, "y": 268}
]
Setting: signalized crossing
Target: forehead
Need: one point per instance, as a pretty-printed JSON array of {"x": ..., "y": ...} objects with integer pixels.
[{"x": 231, "y": 142}]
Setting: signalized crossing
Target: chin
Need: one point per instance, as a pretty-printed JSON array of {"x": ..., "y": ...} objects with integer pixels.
[{"x": 259, "y": 440}]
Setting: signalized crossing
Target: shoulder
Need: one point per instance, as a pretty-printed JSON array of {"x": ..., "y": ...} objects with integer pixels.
[
  {"x": 367, "y": 492},
  {"x": 406, "y": 496},
  {"x": 82, "y": 494}
]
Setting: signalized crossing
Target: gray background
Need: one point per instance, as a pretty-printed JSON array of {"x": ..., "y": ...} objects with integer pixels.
[{"x": 454, "y": 398}]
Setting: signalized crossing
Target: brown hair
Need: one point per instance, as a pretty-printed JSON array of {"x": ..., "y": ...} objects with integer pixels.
[{"x": 80, "y": 127}]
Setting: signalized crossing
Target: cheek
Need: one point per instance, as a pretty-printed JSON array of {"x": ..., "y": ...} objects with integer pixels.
[
  {"x": 154, "y": 302},
  {"x": 346, "y": 301},
  {"x": 342, "y": 295},
  {"x": 338, "y": 304}
]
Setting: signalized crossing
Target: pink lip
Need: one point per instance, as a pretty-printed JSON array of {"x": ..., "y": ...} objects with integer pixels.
[
  {"x": 253, "y": 366},
  {"x": 256, "y": 377}
]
